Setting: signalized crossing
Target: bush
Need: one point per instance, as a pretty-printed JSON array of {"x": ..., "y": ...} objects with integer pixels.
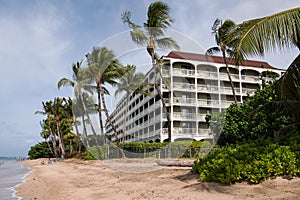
[
  {"x": 40, "y": 150},
  {"x": 252, "y": 162}
]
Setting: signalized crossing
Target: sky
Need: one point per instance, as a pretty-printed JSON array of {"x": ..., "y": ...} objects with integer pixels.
[{"x": 40, "y": 39}]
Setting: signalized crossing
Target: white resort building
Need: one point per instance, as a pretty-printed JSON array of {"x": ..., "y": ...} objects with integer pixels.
[{"x": 193, "y": 86}]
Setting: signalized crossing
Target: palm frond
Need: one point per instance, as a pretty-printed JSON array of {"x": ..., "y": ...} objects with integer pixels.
[
  {"x": 212, "y": 51},
  {"x": 158, "y": 15},
  {"x": 255, "y": 37},
  {"x": 125, "y": 16},
  {"x": 167, "y": 43},
  {"x": 138, "y": 36},
  {"x": 65, "y": 82},
  {"x": 288, "y": 86}
]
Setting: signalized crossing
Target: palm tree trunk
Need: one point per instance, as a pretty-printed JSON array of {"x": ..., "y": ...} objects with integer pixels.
[
  {"x": 54, "y": 144},
  {"x": 87, "y": 114},
  {"x": 229, "y": 77},
  {"x": 49, "y": 146},
  {"x": 60, "y": 140},
  {"x": 99, "y": 90},
  {"x": 77, "y": 133},
  {"x": 125, "y": 119},
  {"x": 163, "y": 102},
  {"x": 85, "y": 132},
  {"x": 111, "y": 124}
]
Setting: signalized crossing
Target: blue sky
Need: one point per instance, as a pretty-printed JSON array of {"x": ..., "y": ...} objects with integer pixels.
[{"x": 40, "y": 40}]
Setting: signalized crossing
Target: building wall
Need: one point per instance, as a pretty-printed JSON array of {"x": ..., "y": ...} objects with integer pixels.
[{"x": 191, "y": 89}]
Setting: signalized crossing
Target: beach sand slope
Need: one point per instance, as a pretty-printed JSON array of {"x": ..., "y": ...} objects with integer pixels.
[{"x": 77, "y": 179}]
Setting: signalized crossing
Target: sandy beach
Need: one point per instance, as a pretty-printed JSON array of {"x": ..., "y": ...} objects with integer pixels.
[{"x": 77, "y": 179}]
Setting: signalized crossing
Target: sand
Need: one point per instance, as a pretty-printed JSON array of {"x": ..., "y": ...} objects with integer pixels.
[{"x": 138, "y": 179}]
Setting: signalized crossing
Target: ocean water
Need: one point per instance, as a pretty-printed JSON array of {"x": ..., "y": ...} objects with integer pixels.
[{"x": 12, "y": 173}]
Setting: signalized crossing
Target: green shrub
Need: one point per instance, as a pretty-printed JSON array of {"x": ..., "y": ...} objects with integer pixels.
[
  {"x": 252, "y": 162},
  {"x": 40, "y": 150}
]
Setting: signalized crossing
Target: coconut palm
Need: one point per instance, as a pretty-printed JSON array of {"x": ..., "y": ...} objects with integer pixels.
[
  {"x": 277, "y": 31},
  {"x": 257, "y": 36},
  {"x": 78, "y": 85},
  {"x": 221, "y": 30},
  {"x": 103, "y": 68},
  {"x": 152, "y": 36},
  {"x": 130, "y": 83},
  {"x": 46, "y": 133},
  {"x": 47, "y": 106}
]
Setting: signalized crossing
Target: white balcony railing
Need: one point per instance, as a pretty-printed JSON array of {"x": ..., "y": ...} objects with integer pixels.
[
  {"x": 228, "y": 90},
  {"x": 208, "y": 102},
  {"x": 250, "y": 78},
  {"x": 224, "y": 76},
  {"x": 179, "y": 130},
  {"x": 207, "y": 74},
  {"x": 210, "y": 88},
  {"x": 184, "y": 86},
  {"x": 249, "y": 91},
  {"x": 226, "y": 104},
  {"x": 187, "y": 72},
  {"x": 201, "y": 117},
  {"x": 183, "y": 115},
  {"x": 203, "y": 131},
  {"x": 184, "y": 100}
]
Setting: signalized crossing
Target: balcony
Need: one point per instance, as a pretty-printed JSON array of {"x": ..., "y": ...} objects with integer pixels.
[
  {"x": 226, "y": 104},
  {"x": 249, "y": 91},
  {"x": 207, "y": 74},
  {"x": 183, "y": 86},
  {"x": 203, "y": 132},
  {"x": 184, "y": 72},
  {"x": 181, "y": 100},
  {"x": 184, "y": 115},
  {"x": 179, "y": 130},
  {"x": 224, "y": 76},
  {"x": 208, "y": 102},
  {"x": 207, "y": 88},
  {"x": 201, "y": 117},
  {"x": 248, "y": 78},
  {"x": 228, "y": 90}
]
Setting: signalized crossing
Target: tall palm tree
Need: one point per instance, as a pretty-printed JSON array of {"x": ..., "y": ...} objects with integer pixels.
[
  {"x": 221, "y": 30},
  {"x": 46, "y": 133},
  {"x": 130, "y": 83},
  {"x": 47, "y": 106},
  {"x": 152, "y": 36},
  {"x": 103, "y": 68},
  {"x": 78, "y": 85}
]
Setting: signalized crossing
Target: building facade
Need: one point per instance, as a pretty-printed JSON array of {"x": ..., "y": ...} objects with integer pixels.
[{"x": 192, "y": 85}]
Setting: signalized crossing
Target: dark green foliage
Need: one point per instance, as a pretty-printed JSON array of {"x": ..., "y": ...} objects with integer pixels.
[
  {"x": 40, "y": 150},
  {"x": 252, "y": 162},
  {"x": 259, "y": 117}
]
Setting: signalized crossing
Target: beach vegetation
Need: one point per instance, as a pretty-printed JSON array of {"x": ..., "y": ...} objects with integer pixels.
[
  {"x": 40, "y": 150},
  {"x": 260, "y": 138}
]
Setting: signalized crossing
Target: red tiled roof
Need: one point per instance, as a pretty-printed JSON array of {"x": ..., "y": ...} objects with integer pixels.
[{"x": 216, "y": 59}]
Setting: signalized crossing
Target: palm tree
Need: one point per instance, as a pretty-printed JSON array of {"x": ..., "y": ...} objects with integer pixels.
[
  {"x": 103, "y": 68},
  {"x": 152, "y": 35},
  {"x": 221, "y": 30},
  {"x": 47, "y": 106},
  {"x": 130, "y": 83},
  {"x": 277, "y": 31},
  {"x": 257, "y": 36},
  {"x": 78, "y": 85},
  {"x": 46, "y": 133}
]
